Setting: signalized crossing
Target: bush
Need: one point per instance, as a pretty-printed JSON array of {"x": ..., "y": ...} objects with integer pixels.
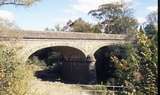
[
  {"x": 142, "y": 70},
  {"x": 13, "y": 74}
]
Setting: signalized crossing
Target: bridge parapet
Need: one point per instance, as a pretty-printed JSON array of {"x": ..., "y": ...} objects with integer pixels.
[{"x": 65, "y": 35}]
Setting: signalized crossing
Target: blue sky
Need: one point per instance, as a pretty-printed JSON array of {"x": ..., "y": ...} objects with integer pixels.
[{"x": 48, "y": 13}]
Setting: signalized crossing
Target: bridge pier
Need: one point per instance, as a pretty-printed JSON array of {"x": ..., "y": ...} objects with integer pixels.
[{"x": 92, "y": 69}]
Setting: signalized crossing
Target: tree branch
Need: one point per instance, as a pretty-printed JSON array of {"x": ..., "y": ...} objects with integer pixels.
[{"x": 11, "y": 3}]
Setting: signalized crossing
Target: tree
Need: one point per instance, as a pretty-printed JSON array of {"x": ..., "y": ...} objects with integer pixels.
[
  {"x": 17, "y": 2},
  {"x": 148, "y": 66},
  {"x": 142, "y": 70},
  {"x": 57, "y": 28},
  {"x": 151, "y": 27},
  {"x": 150, "y": 31},
  {"x": 142, "y": 65},
  {"x": 9, "y": 28},
  {"x": 80, "y": 25},
  {"x": 96, "y": 28},
  {"x": 6, "y": 26},
  {"x": 152, "y": 18},
  {"x": 116, "y": 18}
]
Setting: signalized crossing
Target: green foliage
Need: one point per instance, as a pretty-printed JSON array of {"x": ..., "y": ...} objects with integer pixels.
[
  {"x": 116, "y": 18},
  {"x": 96, "y": 28},
  {"x": 80, "y": 25},
  {"x": 102, "y": 90},
  {"x": 139, "y": 70},
  {"x": 112, "y": 66},
  {"x": 151, "y": 28},
  {"x": 151, "y": 31},
  {"x": 13, "y": 74},
  {"x": 148, "y": 53},
  {"x": 125, "y": 67}
]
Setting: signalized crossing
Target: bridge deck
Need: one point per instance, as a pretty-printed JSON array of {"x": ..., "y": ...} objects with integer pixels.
[{"x": 63, "y": 35}]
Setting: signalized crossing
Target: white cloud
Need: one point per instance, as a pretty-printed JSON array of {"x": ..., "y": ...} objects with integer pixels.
[
  {"x": 87, "y": 5},
  {"x": 6, "y": 15},
  {"x": 152, "y": 8}
]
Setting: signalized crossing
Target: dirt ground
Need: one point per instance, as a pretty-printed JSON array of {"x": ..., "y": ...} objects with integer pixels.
[{"x": 38, "y": 87}]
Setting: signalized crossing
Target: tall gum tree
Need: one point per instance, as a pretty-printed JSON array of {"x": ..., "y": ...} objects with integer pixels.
[{"x": 116, "y": 18}]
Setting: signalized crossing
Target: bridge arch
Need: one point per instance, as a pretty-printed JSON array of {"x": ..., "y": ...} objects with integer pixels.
[
  {"x": 67, "y": 51},
  {"x": 28, "y": 51},
  {"x": 67, "y": 64},
  {"x": 105, "y": 69},
  {"x": 99, "y": 46}
]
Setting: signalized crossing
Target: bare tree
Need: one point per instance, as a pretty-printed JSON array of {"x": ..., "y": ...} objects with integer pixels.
[
  {"x": 17, "y": 2},
  {"x": 152, "y": 18}
]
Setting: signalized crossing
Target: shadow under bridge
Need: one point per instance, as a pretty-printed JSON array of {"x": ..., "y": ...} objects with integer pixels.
[{"x": 65, "y": 64}]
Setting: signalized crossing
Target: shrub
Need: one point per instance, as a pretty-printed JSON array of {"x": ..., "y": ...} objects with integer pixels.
[
  {"x": 142, "y": 70},
  {"x": 13, "y": 74}
]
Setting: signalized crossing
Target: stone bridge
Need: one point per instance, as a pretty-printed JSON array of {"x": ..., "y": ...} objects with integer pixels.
[
  {"x": 87, "y": 43},
  {"x": 71, "y": 43}
]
